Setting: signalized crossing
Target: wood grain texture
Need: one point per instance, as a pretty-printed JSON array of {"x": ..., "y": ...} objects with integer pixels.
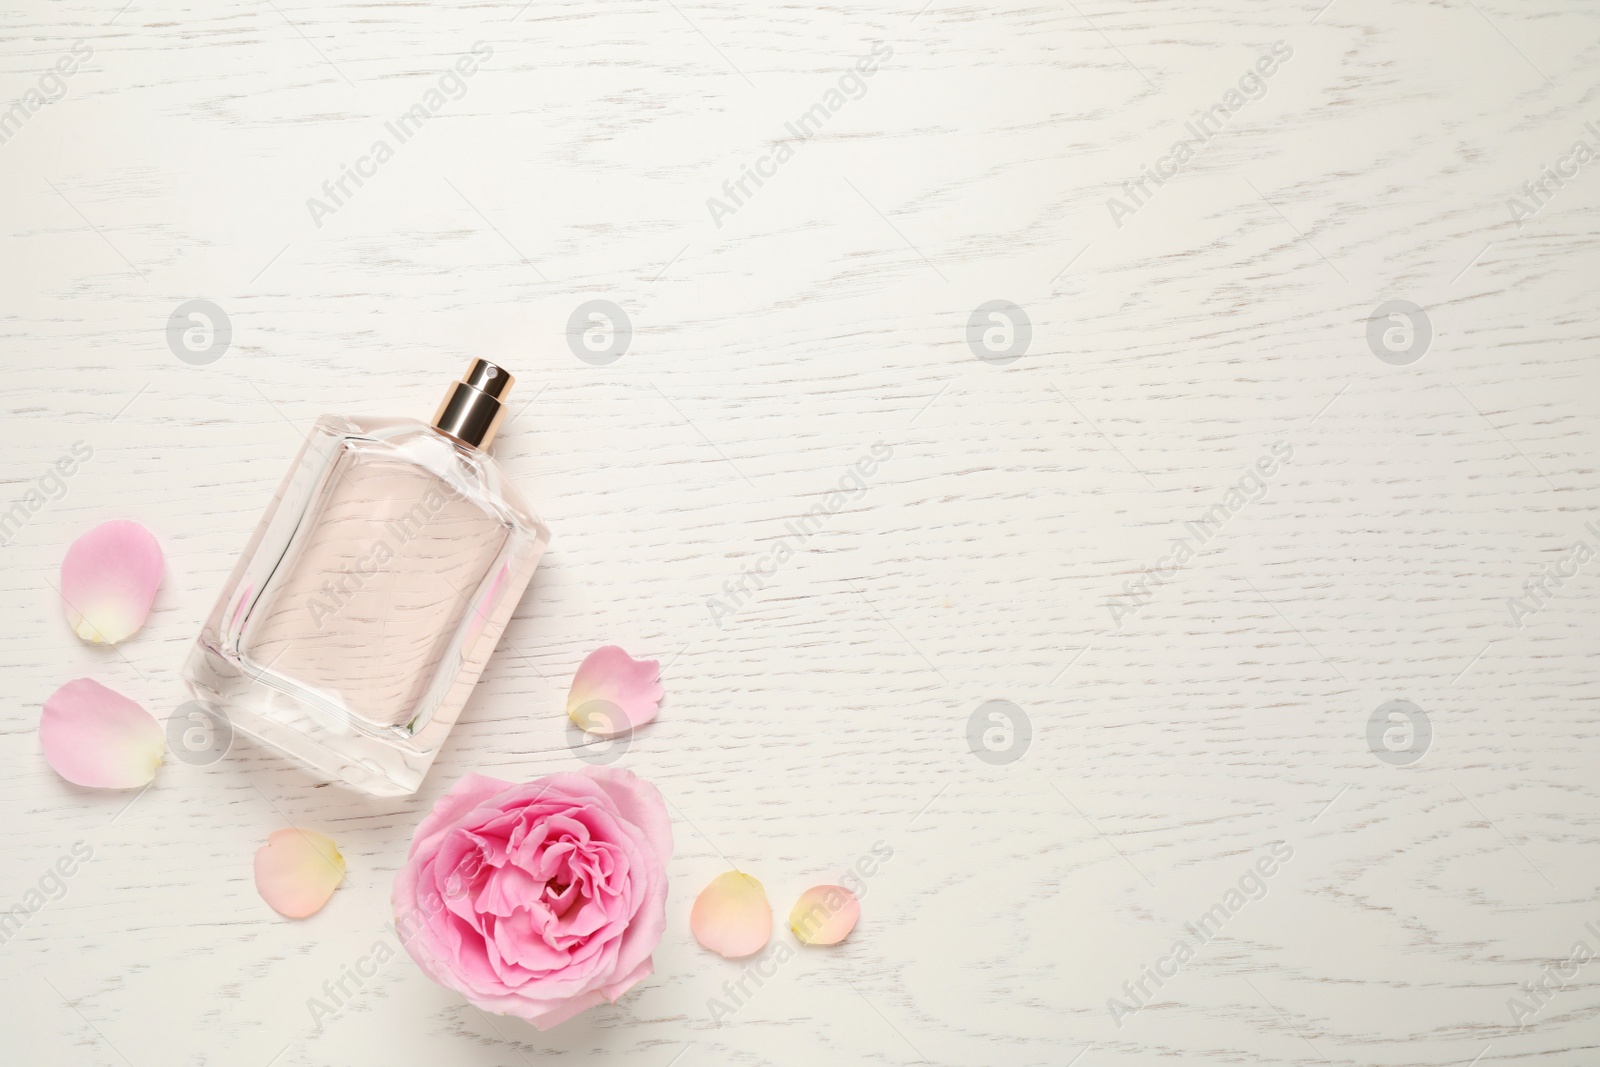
[{"x": 826, "y": 314}]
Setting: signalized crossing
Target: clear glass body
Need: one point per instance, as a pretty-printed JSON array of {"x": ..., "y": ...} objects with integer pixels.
[{"x": 368, "y": 601}]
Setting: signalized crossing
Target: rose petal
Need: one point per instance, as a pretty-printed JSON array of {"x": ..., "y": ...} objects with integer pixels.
[
  {"x": 612, "y": 692},
  {"x": 613, "y": 990},
  {"x": 731, "y": 916},
  {"x": 297, "y": 871},
  {"x": 824, "y": 915},
  {"x": 97, "y": 737},
  {"x": 538, "y": 899},
  {"x": 468, "y": 793},
  {"x": 563, "y": 1011},
  {"x": 109, "y": 579},
  {"x": 641, "y": 804}
]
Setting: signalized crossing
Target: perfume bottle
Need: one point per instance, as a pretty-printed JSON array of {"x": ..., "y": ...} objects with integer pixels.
[{"x": 373, "y": 592}]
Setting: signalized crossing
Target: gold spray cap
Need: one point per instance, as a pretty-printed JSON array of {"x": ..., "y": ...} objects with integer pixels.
[{"x": 473, "y": 407}]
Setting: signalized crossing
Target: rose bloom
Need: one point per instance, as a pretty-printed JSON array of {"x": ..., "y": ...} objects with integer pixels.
[{"x": 541, "y": 899}]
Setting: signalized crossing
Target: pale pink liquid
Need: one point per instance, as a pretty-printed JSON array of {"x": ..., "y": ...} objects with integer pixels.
[{"x": 405, "y": 553}]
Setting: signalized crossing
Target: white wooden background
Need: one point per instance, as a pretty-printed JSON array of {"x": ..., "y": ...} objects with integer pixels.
[{"x": 768, "y": 355}]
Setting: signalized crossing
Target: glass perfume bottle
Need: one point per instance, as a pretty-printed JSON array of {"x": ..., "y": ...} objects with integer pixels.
[{"x": 373, "y": 592}]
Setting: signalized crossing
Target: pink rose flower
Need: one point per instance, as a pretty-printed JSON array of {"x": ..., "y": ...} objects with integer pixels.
[{"x": 542, "y": 899}]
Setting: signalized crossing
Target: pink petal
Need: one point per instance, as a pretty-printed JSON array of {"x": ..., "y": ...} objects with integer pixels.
[
  {"x": 619, "y": 986},
  {"x": 297, "y": 871},
  {"x": 472, "y": 790},
  {"x": 641, "y": 804},
  {"x": 824, "y": 915},
  {"x": 561, "y": 1011},
  {"x": 612, "y": 692},
  {"x": 97, "y": 737},
  {"x": 109, "y": 580},
  {"x": 731, "y": 916}
]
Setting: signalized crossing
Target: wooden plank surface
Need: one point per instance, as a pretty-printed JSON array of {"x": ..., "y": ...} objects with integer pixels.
[{"x": 1178, "y": 731}]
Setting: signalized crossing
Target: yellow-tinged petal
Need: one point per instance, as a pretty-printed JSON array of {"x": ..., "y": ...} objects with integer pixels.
[
  {"x": 613, "y": 693},
  {"x": 109, "y": 579},
  {"x": 824, "y": 915},
  {"x": 297, "y": 871},
  {"x": 97, "y": 737},
  {"x": 731, "y": 916}
]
